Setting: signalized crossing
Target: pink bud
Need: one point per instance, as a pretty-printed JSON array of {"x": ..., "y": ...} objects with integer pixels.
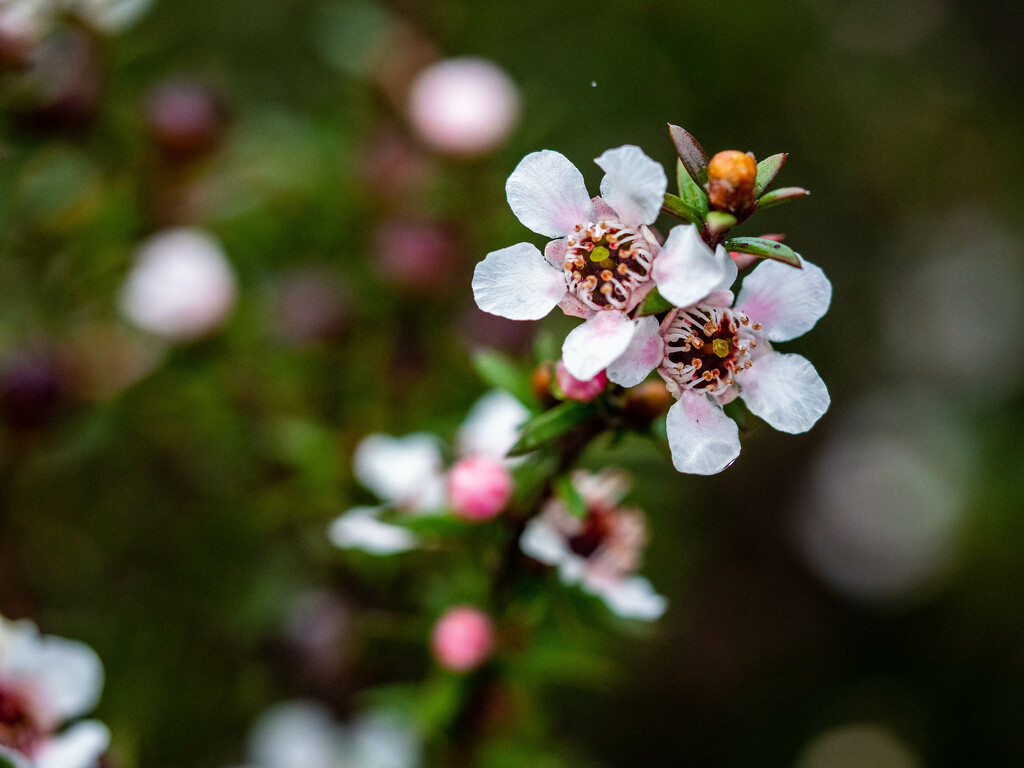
[
  {"x": 479, "y": 488},
  {"x": 418, "y": 256},
  {"x": 463, "y": 639},
  {"x": 464, "y": 106},
  {"x": 574, "y": 389}
]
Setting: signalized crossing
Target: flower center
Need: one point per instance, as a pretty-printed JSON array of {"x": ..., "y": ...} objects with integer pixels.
[
  {"x": 19, "y": 729},
  {"x": 594, "y": 530},
  {"x": 706, "y": 347},
  {"x": 605, "y": 262}
]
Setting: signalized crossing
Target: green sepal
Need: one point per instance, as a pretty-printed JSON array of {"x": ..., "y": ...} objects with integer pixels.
[
  {"x": 721, "y": 222},
  {"x": 689, "y": 192},
  {"x": 779, "y": 196},
  {"x": 499, "y": 371},
  {"x": 655, "y": 304},
  {"x": 676, "y": 206},
  {"x": 691, "y": 153},
  {"x": 767, "y": 170},
  {"x": 765, "y": 249},
  {"x": 570, "y": 497},
  {"x": 550, "y": 425}
]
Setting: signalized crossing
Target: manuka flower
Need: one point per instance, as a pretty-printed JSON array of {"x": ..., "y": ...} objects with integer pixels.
[
  {"x": 601, "y": 551},
  {"x": 408, "y": 474},
  {"x": 713, "y": 351},
  {"x": 44, "y": 682}
]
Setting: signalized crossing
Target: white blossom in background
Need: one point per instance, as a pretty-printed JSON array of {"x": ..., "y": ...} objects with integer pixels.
[
  {"x": 32, "y": 19},
  {"x": 600, "y": 552},
  {"x": 603, "y": 260},
  {"x": 464, "y": 106},
  {"x": 45, "y": 682},
  {"x": 858, "y": 745},
  {"x": 408, "y": 474},
  {"x": 304, "y": 734},
  {"x": 181, "y": 286}
]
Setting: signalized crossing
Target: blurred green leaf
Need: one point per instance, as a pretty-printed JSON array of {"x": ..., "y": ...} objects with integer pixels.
[
  {"x": 551, "y": 424},
  {"x": 499, "y": 371},
  {"x": 692, "y": 194},
  {"x": 679, "y": 208},
  {"x": 691, "y": 153},
  {"x": 779, "y": 196},
  {"x": 767, "y": 170},
  {"x": 655, "y": 304},
  {"x": 570, "y": 497},
  {"x": 765, "y": 249}
]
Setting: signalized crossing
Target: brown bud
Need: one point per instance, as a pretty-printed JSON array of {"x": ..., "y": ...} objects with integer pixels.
[
  {"x": 186, "y": 119},
  {"x": 732, "y": 176},
  {"x": 645, "y": 403},
  {"x": 540, "y": 383}
]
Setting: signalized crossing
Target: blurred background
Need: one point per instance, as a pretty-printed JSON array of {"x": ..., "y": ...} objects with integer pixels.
[{"x": 849, "y": 597}]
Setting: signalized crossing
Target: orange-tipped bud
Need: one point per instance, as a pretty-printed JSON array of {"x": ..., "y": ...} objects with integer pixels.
[
  {"x": 645, "y": 403},
  {"x": 732, "y": 177}
]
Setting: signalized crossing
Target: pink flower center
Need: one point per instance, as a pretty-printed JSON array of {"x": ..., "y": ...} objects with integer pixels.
[
  {"x": 20, "y": 730},
  {"x": 705, "y": 347},
  {"x": 606, "y": 262}
]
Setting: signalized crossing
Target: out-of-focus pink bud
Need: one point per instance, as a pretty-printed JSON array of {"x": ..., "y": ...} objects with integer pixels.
[
  {"x": 574, "y": 389},
  {"x": 479, "y": 488},
  {"x": 181, "y": 286},
  {"x": 309, "y": 306},
  {"x": 463, "y": 638},
  {"x": 464, "y": 106},
  {"x": 418, "y": 256},
  {"x": 186, "y": 119},
  {"x": 59, "y": 87}
]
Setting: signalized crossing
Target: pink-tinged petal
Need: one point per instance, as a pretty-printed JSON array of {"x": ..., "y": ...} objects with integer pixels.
[
  {"x": 785, "y": 300},
  {"x": 66, "y": 676},
  {"x": 730, "y": 266},
  {"x": 554, "y": 252},
  {"x": 687, "y": 270},
  {"x": 703, "y": 440},
  {"x": 599, "y": 209},
  {"x": 543, "y": 543},
  {"x": 593, "y": 346},
  {"x": 404, "y": 471},
  {"x": 517, "y": 283},
  {"x": 573, "y": 307},
  {"x": 643, "y": 355},
  {"x": 547, "y": 194},
  {"x": 634, "y": 184},
  {"x": 80, "y": 746},
  {"x": 785, "y": 391},
  {"x": 631, "y": 598}
]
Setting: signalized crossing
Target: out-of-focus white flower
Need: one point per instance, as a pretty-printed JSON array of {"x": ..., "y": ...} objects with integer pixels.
[
  {"x": 181, "y": 286},
  {"x": 464, "y": 106},
  {"x": 33, "y": 18},
  {"x": 109, "y": 15},
  {"x": 600, "y": 552},
  {"x": 408, "y": 474},
  {"x": 46, "y": 681},
  {"x": 304, "y": 734},
  {"x": 886, "y": 499},
  {"x": 463, "y": 638},
  {"x": 862, "y": 745},
  {"x": 717, "y": 350}
]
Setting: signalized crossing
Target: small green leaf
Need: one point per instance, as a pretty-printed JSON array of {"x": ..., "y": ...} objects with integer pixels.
[
  {"x": 692, "y": 154},
  {"x": 679, "y": 208},
  {"x": 689, "y": 192},
  {"x": 570, "y": 497},
  {"x": 765, "y": 249},
  {"x": 655, "y": 304},
  {"x": 767, "y": 170},
  {"x": 550, "y": 425},
  {"x": 779, "y": 196},
  {"x": 720, "y": 222},
  {"x": 499, "y": 371}
]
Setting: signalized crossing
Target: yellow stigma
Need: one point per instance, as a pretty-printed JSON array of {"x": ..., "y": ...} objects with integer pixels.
[
  {"x": 600, "y": 253},
  {"x": 720, "y": 347}
]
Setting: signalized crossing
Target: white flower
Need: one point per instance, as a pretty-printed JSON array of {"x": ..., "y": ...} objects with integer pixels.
[
  {"x": 31, "y": 19},
  {"x": 304, "y": 734},
  {"x": 46, "y": 681},
  {"x": 714, "y": 351},
  {"x": 408, "y": 473},
  {"x": 600, "y": 552},
  {"x": 181, "y": 286}
]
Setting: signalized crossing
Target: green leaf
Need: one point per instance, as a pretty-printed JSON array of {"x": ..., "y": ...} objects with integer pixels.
[
  {"x": 767, "y": 170},
  {"x": 655, "y": 304},
  {"x": 720, "y": 222},
  {"x": 550, "y": 425},
  {"x": 689, "y": 192},
  {"x": 691, "y": 153},
  {"x": 570, "y": 497},
  {"x": 765, "y": 249},
  {"x": 499, "y": 371},
  {"x": 679, "y": 208},
  {"x": 779, "y": 196}
]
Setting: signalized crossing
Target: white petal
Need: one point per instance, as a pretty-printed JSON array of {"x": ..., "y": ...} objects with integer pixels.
[
  {"x": 360, "y": 529},
  {"x": 785, "y": 300},
  {"x": 547, "y": 194},
  {"x": 687, "y": 270},
  {"x": 785, "y": 391},
  {"x": 383, "y": 740},
  {"x": 642, "y": 356},
  {"x": 703, "y": 440},
  {"x": 400, "y": 470},
  {"x": 16, "y": 759},
  {"x": 80, "y": 746},
  {"x": 296, "y": 734},
  {"x": 632, "y": 598},
  {"x": 492, "y": 426},
  {"x": 518, "y": 283},
  {"x": 543, "y": 543},
  {"x": 593, "y": 346},
  {"x": 731, "y": 269},
  {"x": 634, "y": 184}
]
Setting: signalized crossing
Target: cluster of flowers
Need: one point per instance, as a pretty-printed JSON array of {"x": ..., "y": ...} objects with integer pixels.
[{"x": 709, "y": 345}]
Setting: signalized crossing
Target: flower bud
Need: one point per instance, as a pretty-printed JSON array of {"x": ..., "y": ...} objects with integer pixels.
[
  {"x": 464, "y": 106},
  {"x": 540, "y": 384},
  {"x": 463, "y": 639},
  {"x": 416, "y": 256},
  {"x": 732, "y": 177},
  {"x": 185, "y": 119},
  {"x": 479, "y": 488},
  {"x": 646, "y": 402},
  {"x": 574, "y": 389}
]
